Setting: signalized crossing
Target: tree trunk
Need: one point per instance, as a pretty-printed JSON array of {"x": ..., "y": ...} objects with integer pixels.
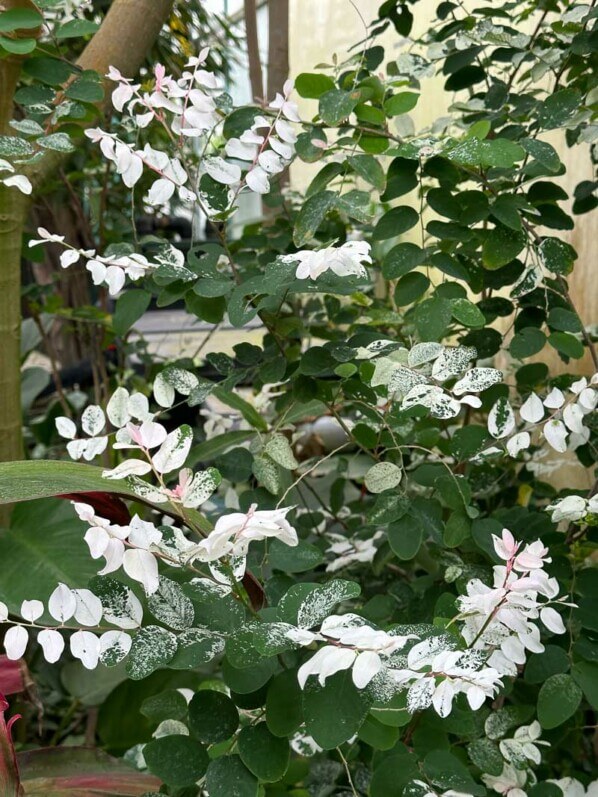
[
  {"x": 253, "y": 51},
  {"x": 278, "y": 45},
  {"x": 278, "y": 62},
  {"x": 125, "y": 36}
]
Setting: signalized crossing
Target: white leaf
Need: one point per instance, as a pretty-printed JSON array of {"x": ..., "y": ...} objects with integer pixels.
[
  {"x": 555, "y": 433},
  {"x": 85, "y": 646},
  {"x": 573, "y": 416},
  {"x": 89, "y": 607},
  {"x": 65, "y": 428},
  {"x": 15, "y": 642},
  {"x": 93, "y": 420},
  {"x": 367, "y": 666},
  {"x": 3, "y": 612},
  {"x": 117, "y": 408},
  {"x": 32, "y": 610},
  {"x": 501, "y": 419},
  {"x": 532, "y": 409},
  {"x": 552, "y": 620},
  {"x": 130, "y": 467},
  {"x": 383, "y": 476},
  {"x": 68, "y": 257},
  {"x": 270, "y": 162},
  {"x": 52, "y": 644},
  {"x": 94, "y": 447},
  {"x": 518, "y": 443},
  {"x": 62, "y": 603},
  {"x": 420, "y": 695},
  {"x": 163, "y": 392},
  {"x": 142, "y": 566},
  {"x": 555, "y": 399},
  {"x": 221, "y": 171},
  {"x": 174, "y": 450},
  {"x": 442, "y": 699},
  {"x": 19, "y": 181},
  {"x": 476, "y": 380},
  {"x": 114, "y": 279},
  {"x": 424, "y": 353},
  {"x": 160, "y": 192},
  {"x": 97, "y": 540},
  {"x": 114, "y": 646},
  {"x": 76, "y": 448},
  {"x": 257, "y": 180}
]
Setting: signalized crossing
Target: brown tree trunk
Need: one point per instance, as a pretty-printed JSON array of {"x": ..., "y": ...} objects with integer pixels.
[
  {"x": 253, "y": 51},
  {"x": 126, "y": 34},
  {"x": 278, "y": 61},
  {"x": 278, "y": 45}
]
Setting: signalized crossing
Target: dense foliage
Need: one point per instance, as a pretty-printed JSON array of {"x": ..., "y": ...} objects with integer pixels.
[{"x": 334, "y": 563}]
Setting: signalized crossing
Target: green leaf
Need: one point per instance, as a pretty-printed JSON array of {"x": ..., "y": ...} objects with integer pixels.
[
  {"x": 166, "y": 705},
  {"x": 312, "y": 86},
  {"x": 14, "y": 147},
  {"x": 557, "y": 256},
  {"x": 239, "y": 121},
  {"x": 59, "y": 142},
  {"x": 246, "y": 409},
  {"x": 543, "y": 152},
  {"x": 585, "y": 674},
  {"x": 382, "y": 476},
  {"x": 394, "y": 773},
  {"x": 410, "y": 288},
  {"x": 501, "y": 246},
  {"x": 19, "y": 18},
  {"x": 267, "y": 473},
  {"x": 26, "y": 481},
  {"x": 176, "y": 760},
  {"x": 401, "y": 103},
  {"x": 485, "y": 755},
  {"x": 559, "y": 108},
  {"x": 279, "y": 449},
  {"x": 566, "y": 344},
  {"x": 559, "y": 699},
  {"x": 67, "y": 770},
  {"x": 527, "y": 342},
  {"x": 369, "y": 168},
  {"x": 213, "y": 717},
  {"x": 295, "y": 559},
  {"x": 405, "y": 536},
  {"x": 467, "y": 313},
  {"x": 152, "y": 648},
  {"x": 540, "y": 666},
  {"x": 228, "y": 777},
  {"x": 395, "y": 222},
  {"x": 75, "y": 28},
  {"x": 445, "y": 770},
  {"x": 334, "y": 712},
  {"x": 401, "y": 259},
  {"x": 336, "y": 105},
  {"x": 432, "y": 318},
  {"x": 85, "y": 89},
  {"x": 264, "y": 754},
  {"x": 130, "y": 306},
  {"x": 284, "y": 704},
  {"x": 45, "y": 540},
  {"x": 48, "y": 70},
  {"x": 498, "y": 152},
  {"x": 171, "y": 606},
  {"x": 17, "y": 46},
  {"x": 311, "y": 216}
]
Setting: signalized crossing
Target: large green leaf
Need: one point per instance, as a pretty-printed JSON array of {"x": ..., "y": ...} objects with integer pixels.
[
  {"x": 26, "y": 481},
  {"x": 81, "y": 772},
  {"x": 44, "y": 546}
]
